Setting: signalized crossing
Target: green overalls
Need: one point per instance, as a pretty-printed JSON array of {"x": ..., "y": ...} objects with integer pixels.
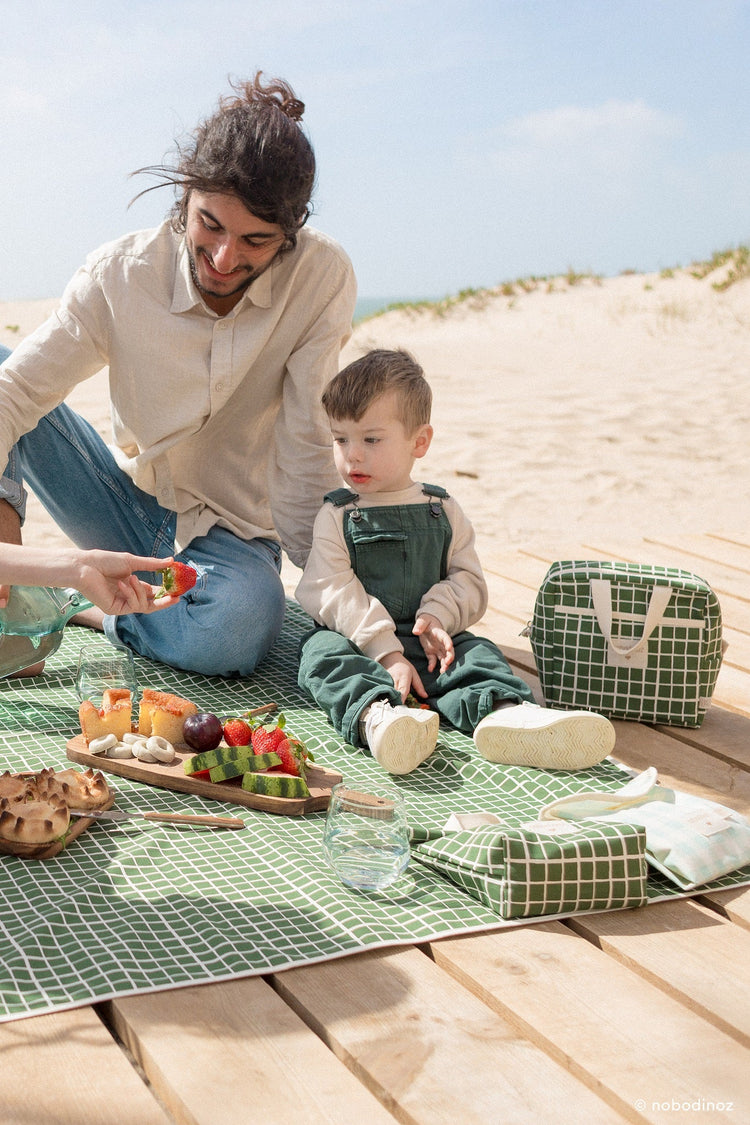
[{"x": 398, "y": 553}]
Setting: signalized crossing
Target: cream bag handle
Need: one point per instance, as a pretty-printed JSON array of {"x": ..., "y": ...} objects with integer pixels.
[{"x": 601, "y": 592}]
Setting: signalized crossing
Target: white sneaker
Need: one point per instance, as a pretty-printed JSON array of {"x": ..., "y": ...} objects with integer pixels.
[
  {"x": 400, "y": 738},
  {"x": 528, "y": 735}
]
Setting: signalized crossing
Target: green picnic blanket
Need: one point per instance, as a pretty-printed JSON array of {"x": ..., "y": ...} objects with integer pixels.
[{"x": 142, "y": 907}]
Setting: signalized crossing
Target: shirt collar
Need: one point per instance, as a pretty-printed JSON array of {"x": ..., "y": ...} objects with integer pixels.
[{"x": 185, "y": 296}]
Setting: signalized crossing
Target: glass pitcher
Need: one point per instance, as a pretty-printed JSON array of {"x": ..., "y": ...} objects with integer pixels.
[{"x": 32, "y": 623}]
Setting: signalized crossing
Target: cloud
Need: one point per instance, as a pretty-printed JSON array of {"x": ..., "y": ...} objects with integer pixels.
[
  {"x": 570, "y": 138},
  {"x": 571, "y": 125}
]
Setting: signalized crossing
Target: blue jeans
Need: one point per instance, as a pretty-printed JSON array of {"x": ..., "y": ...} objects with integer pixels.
[{"x": 232, "y": 617}]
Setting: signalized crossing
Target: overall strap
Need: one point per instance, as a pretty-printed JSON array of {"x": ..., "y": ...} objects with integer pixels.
[
  {"x": 437, "y": 495},
  {"x": 341, "y": 496}
]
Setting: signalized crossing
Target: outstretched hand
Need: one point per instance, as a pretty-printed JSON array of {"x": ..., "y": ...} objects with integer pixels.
[
  {"x": 107, "y": 579},
  {"x": 437, "y": 644}
]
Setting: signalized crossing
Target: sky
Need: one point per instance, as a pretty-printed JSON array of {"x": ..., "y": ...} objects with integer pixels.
[{"x": 460, "y": 143}]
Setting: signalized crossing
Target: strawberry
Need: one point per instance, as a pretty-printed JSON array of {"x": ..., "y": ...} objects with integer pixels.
[
  {"x": 266, "y": 739},
  {"x": 177, "y": 579},
  {"x": 412, "y": 701},
  {"x": 293, "y": 756},
  {"x": 237, "y": 732}
]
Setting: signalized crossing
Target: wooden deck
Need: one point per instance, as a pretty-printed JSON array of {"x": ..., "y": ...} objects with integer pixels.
[{"x": 633, "y": 1016}]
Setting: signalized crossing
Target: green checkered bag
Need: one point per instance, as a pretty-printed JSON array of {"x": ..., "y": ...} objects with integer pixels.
[
  {"x": 627, "y": 640},
  {"x": 523, "y": 873}
]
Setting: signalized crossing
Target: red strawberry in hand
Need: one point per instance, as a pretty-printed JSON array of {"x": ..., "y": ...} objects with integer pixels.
[
  {"x": 177, "y": 579},
  {"x": 237, "y": 732}
]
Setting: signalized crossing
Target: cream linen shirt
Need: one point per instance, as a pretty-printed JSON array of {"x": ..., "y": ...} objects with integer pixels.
[
  {"x": 217, "y": 417},
  {"x": 333, "y": 595}
]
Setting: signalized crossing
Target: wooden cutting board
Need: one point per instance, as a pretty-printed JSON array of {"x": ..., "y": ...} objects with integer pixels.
[{"x": 320, "y": 781}]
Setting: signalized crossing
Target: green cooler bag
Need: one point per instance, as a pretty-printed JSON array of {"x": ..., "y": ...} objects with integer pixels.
[
  {"x": 628, "y": 640},
  {"x": 523, "y": 873}
]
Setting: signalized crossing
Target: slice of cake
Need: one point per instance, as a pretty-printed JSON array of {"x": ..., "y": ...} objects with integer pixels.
[
  {"x": 162, "y": 714},
  {"x": 113, "y": 717}
]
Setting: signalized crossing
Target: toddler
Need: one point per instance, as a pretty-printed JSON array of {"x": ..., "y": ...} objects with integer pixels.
[{"x": 394, "y": 582}]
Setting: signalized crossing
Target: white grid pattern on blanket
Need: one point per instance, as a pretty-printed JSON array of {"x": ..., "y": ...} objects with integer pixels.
[{"x": 140, "y": 907}]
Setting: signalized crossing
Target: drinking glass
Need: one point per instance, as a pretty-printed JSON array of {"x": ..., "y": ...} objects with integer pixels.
[
  {"x": 366, "y": 838},
  {"x": 102, "y": 668}
]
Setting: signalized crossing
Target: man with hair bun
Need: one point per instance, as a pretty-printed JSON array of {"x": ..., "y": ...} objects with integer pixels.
[{"x": 220, "y": 328}]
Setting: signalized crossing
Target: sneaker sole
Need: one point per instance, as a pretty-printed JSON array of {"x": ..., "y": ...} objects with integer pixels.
[
  {"x": 567, "y": 742},
  {"x": 406, "y": 744}
]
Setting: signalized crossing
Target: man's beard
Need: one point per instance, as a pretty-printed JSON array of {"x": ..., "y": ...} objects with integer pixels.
[{"x": 247, "y": 280}]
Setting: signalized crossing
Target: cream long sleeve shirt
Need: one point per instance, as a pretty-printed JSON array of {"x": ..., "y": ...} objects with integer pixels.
[
  {"x": 333, "y": 595},
  {"x": 219, "y": 418}
]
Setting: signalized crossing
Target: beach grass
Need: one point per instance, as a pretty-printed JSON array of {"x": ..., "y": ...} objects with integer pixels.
[{"x": 734, "y": 262}]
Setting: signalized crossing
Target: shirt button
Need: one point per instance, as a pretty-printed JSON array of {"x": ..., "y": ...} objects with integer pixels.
[{"x": 219, "y": 386}]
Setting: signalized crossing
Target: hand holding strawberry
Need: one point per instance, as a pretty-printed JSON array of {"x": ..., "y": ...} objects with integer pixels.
[{"x": 176, "y": 580}]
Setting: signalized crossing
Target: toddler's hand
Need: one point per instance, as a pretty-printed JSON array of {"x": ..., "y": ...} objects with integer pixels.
[
  {"x": 437, "y": 644},
  {"x": 404, "y": 675}
]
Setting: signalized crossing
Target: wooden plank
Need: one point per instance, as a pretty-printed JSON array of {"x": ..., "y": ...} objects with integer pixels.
[
  {"x": 735, "y": 538},
  {"x": 66, "y": 1069},
  {"x": 431, "y": 1050},
  {"x": 234, "y": 1051},
  {"x": 510, "y": 600},
  {"x": 712, "y": 550},
  {"x": 691, "y": 953},
  {"x": 731, "y": 690},
  {"x": 733, "y": 904},
  {"x": 723, "y": 734},
  {"x": 523, "y": 568},
  {"x": 679, "y": 768},
  {"x": 616, "y": 1032},
  {"x": 737, "y": 652}
]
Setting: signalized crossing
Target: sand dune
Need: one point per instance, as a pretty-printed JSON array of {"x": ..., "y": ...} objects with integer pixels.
[{"x": 621, "y": 404}]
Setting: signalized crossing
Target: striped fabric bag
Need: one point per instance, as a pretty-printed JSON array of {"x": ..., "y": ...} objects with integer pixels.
[{"x": 628, "y": 640}]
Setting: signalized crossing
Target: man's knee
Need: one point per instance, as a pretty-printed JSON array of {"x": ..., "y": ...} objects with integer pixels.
[{"x": 231, "y": 635}]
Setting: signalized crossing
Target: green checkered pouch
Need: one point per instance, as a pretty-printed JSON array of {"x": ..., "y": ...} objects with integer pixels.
[
  {"x": 524, "y": 873},
  {"x": 628, "y": 640}
]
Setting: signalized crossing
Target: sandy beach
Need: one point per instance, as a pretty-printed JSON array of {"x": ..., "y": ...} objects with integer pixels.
[{"x": 563, "y": 407}]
